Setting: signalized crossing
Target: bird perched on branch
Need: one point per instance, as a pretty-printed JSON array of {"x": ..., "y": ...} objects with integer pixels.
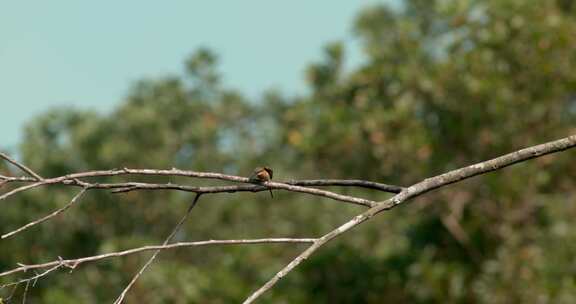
[{"x": 262, "y": 174}]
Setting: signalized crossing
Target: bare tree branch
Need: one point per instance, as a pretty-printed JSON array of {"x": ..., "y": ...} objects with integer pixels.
[
  {"x": 74, "y": 179},
  {"x": 346, "y": 182},
  {"x": 127, "y": 187},
  {"x": 33, "y": 278},
  {"x": 419, "y": 189},
  {"x": 305, "y": 182},
  {"x": 10, "y": 179},
  {"x": 73, "y": 263},
  {"x": 133, "y": 186},
  {"x": 166, "y": 241},
  {"x": 20, "y": 166},
  {"x": 26, "y": 292},
  {"x": 402, "y": 195},
  {"x": 47, "y": 217},
  {"x": 12, "y": 293}
]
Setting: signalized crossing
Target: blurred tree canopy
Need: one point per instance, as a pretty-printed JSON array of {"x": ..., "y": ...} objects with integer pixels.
[{"x": 443, "y": 84}]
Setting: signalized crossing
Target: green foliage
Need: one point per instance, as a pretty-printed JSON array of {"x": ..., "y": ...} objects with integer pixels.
[{"x": 444, "y": 84}]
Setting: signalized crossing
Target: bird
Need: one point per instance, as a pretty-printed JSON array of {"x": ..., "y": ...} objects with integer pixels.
[{"x": 262, "y": 174}]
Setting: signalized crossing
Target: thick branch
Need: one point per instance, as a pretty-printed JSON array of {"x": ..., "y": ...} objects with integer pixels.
[{"x": 419, "y": 189}]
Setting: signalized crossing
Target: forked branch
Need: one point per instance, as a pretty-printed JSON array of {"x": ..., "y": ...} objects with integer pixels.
[
  {"x": 419, "y": 189},
  {"x": 303, "y": 186}
]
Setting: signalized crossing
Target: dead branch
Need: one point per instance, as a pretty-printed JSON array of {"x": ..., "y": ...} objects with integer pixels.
[
  {"x": 20, "y": 166},
  {"x": 402, "y": 195},
  {"x": 73, "y": 263},
  {"x": 417, "y": 189},
  {"x": 47, "y": 217},
  {"x": 75, "y": 179}
]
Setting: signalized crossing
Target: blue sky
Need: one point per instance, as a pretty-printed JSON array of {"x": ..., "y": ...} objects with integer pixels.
[{"x": 87, "y": 53}]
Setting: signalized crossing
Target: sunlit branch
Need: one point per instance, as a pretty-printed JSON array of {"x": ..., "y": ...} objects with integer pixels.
[
  {"x": 155, "y": 254},
  {"x": 73, "y": 263},
  {"x": 20, "y": 166},
  {"x": 47, "y": 217},
  {"x": 419, "y": 189},
  {"x": 293, "y": 185}
]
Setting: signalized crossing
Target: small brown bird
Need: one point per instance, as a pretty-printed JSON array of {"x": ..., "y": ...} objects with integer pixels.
[{"x": 262, "y": 174}]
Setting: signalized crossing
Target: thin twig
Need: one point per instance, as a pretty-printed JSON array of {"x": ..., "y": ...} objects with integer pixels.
[
  {"x": 415, "y": 190},
  {"x": 34, "y": 278},
  {"x": 166, "y": 241},
  {"x": 10, "y": 179},
  {"x": 133, "y": 186},
  {"x": 47, "y": 217},
  {"x": 25, "y": 292},
  {"x": 346, "y": 182},
  {"x": 12, "y": 293},
  {"x": 21, "y": 166},
  {"x": 72, "y": 263}
]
